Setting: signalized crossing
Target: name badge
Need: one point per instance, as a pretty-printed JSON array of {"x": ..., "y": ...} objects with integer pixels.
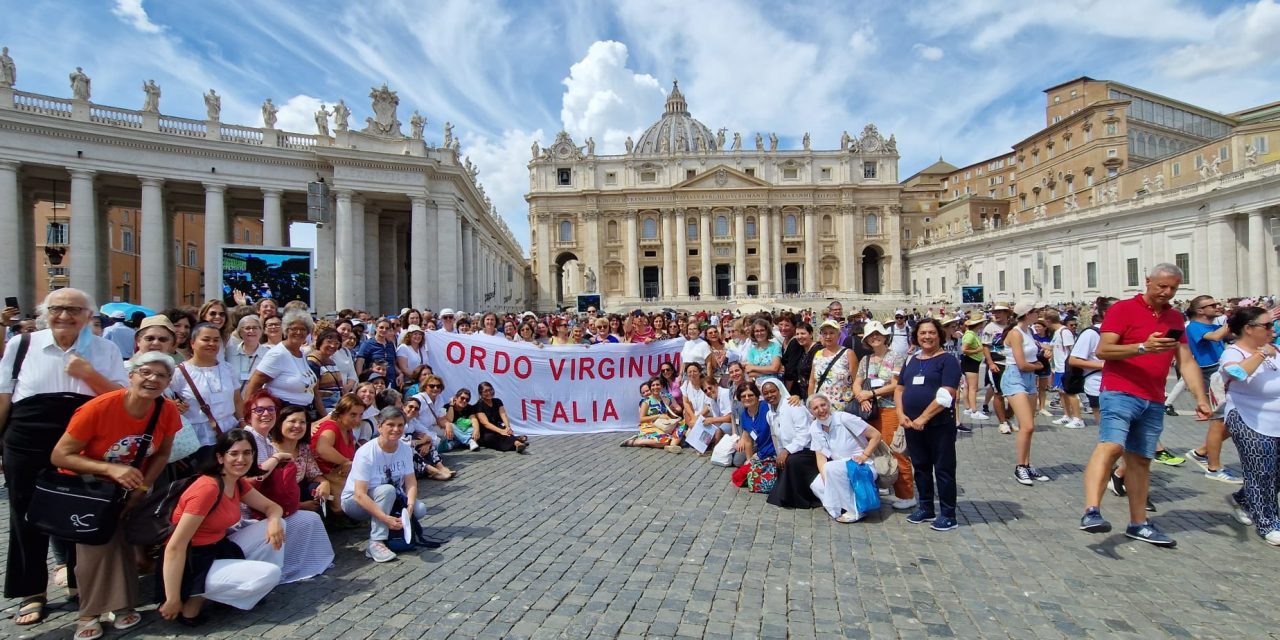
[
  {"x": 918, "y": 380},
  {"x": 876, "y": 383}
]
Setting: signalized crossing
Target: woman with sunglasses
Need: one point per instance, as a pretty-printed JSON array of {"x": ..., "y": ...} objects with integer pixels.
[
  {"x": 214, "y": 312},
  {"x": 560, "y": 329},
  {"x": 1252, "y": 374},
  {"x": 459, "y": 414}
]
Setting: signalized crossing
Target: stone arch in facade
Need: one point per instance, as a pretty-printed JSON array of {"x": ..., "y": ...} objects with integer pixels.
[{"x": 871, "y": 272}]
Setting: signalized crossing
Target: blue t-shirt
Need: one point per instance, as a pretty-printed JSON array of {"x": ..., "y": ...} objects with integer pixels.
[
  {"x": 933, "y": 374},
  {"x": 372, "y": 352},
  {"x": 759, "y": 427},
  {"x": 1206, "y": 352},
  {"x": 763, "y": 357}
]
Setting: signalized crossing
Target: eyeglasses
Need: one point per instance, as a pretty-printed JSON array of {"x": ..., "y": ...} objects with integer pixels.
[
  {"x": 435, "y": 386},
  {"x": 148, "y": 374},
  {"x": 746, "y": 394},
  {"x": 65, "y": 310},
  {"x": 1208, "y": 306},
  {"x": 216, "y": 314},
  {"x": 262, "y": 410},
  {"x": 1262, "y": 324},
  {"x": 298, "y": 330}
]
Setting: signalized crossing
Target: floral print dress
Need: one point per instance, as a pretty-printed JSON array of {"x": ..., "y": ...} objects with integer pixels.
[{"x": 838, "y": 384}]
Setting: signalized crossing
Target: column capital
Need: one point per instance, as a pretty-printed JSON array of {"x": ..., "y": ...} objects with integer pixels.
[
  {"x": 149, "y": 181},
  {"x": 418, "y": 201},
  {"x": 82, "y": 174},
  {"x": 214, "y": 187},
  {"x": 9, "y": 165},
  {"x": 272, "y": 192},
  {"x": 343, "y": 194}
]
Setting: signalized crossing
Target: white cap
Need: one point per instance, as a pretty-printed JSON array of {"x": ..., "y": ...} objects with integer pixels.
[
  {"x": 117, "y": 314},
  {"x": 900, "y": 312},
  {"x": 447, "y": 312}
]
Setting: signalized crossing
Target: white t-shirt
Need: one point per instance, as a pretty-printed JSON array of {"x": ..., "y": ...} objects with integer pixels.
[
  {"x": 346, "y": 363},
  {"x": 414, "y": 357},
  {"x": 1256, "y": 398},
  {"x": 291, "y": 379},
  {"x": 217, "y": 385},
  {"x": 414, "y": 428},
  {"x": 899, "y": 338},
  {"x": 1062, "y": 342},
  {"x": 1086, "y": 348},
  {"x": 372, "y": 465},
  {"x": 695, "y": 350},
  {"x": 243, "y": 364}
]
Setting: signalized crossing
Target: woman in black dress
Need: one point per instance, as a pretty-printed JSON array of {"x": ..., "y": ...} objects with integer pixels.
[{"x": 495, "y": 428}]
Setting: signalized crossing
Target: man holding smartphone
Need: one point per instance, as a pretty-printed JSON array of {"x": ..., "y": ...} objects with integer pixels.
[
  {"x": 1205, "y": 339},
  {"x": 1137, "y": 350}
]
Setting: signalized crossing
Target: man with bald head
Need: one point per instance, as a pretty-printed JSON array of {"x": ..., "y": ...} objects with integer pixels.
[{"x": 44, "y": 377}]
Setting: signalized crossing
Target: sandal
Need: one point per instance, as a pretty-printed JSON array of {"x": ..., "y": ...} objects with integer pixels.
[
  {"x": 31, "y": 605},
  {"x": 124, "y": 619},
  {"x": 88, "y": 630},
  {"x": 60, "y": 576}
]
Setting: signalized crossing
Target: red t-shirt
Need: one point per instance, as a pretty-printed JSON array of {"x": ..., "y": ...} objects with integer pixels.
[
  {"x": 112, "y": 435},
  {"x": 197, "y": 499},
  {"x": 342, "y": 443},
  {"x": 1134, "y": 321}
]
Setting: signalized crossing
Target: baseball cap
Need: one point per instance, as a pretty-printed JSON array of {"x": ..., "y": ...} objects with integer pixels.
[
  {"x": 1023, "y": 308},
  {"x": 446, "y": 312},
  {"x": 900, "y": 312},
  {"x": 829, "y": 323},
  {"x": 117, "y": 315},
  {"x": 156, "y": 321}
]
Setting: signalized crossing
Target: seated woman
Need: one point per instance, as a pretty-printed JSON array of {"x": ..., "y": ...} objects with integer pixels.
[
  {"x": 435, "y": 411},
  {"x": 658, "y": 423},
  {"x": 300, "y": 492},
  {"x": 382, "y": 476},
  {"x": 837, "y": 438},
  {"x": 201, "y": 562},
  {"x": 797, "y": 464},
  {"x": 420, "y": 436},
  {"x": 757, "y": 443},
  {"x": 335, "y": 444},
  {"x": 495, "y": 427},
  {"x": 330, "y": 381},
  {"x": 459, "y": 415},
  {"x": 702, "y": 401}
]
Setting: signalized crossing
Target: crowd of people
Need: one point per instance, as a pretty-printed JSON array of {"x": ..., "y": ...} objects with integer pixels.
[{"x": 272, "y": 429}]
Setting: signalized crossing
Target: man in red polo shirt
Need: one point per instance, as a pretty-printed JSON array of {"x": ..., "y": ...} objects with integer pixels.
[{"x": 1138, "y": 341}]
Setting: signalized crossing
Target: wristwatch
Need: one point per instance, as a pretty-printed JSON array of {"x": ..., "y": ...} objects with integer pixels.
[{"x": 1142, "y": 348}]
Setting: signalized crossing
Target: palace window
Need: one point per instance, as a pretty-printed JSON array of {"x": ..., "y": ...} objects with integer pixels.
[
  {"x": 790, "y": 174},
  {"x": 1112, "y": 128},
  {"x": 690, "y": 173},
  {"x": 1183, "y": 260},
  {"x": 566, "y": 231},
  {"x": 1131, "y": 267},
  {"x": 1000, "y": 279},
  {"x": 650, "y": 230},
  {"x": 1091, "y": 275},
  {"x": 648, "y": 176},
  {"x": 828, "y": 226},
  {"x": 1057, "y": 277},
  {"x": 868, "y": 170},
  {"x": 1260, "y": 144},
  {"x": 789, "y": 226},
  {"x": 246, "y": 237},
  {"x": 692, "y": 230},
  {"x": 751, "y": 227},
  {"x": 873, "y": 224},
  {"x": 126, "y": 240},
  {"x": 722, "y": 226},
  {"x": 55, "y": 233},
  {"x": 564, "y": 177},
  {"x": 193, "y": 255},
  {"x": 1177, "y": 169}
]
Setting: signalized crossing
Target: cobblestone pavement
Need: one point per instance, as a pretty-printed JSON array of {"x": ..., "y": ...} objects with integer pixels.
[{"x": 583, "y": 539}]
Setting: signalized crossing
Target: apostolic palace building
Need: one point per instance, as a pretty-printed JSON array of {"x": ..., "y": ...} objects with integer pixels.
[{"x": 1117, "y": 180}]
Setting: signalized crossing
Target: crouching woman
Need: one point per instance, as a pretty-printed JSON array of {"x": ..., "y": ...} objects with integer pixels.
[{"x": 839, "y": 438}]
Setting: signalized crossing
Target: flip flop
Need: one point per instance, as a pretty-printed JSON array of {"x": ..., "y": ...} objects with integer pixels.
[
  {"x": 88, "y": 630},
  {"x": 32, "y": 605},
  {"x": 124, "y": 620}
]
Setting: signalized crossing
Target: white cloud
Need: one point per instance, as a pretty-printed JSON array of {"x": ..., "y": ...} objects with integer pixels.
[
  {"x": 504, "y": 172},
  {"x": 131, "y": 11},
  {"x": 863, "y": 43},
  {"x": 1243, "y": 37},
  {"x": 606, "y": 100},
  {"x": 927, "y": 52},
  {"x": 297, "y": 114}
]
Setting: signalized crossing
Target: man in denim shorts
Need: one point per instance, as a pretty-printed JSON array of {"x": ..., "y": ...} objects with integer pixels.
[{"x": 1139, "y": 338}]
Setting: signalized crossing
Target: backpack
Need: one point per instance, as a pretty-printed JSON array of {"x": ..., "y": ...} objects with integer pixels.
[
  {"x": 150, "y": 523},
  {"x": 1073, "y": 376}
]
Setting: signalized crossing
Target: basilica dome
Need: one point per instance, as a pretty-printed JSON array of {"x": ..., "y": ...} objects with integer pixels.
[{"x": 677, "y": 131}]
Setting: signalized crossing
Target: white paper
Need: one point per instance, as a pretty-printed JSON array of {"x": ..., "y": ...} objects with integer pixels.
[
  {"x": 404, "y": 522},
  {"x": 700, "y": 435}
]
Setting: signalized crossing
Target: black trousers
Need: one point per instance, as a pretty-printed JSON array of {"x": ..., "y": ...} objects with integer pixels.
[{"x": 933, "y": 460}]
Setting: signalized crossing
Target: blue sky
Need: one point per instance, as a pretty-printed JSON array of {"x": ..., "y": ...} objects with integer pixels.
[{"x": 961, "y": 79}]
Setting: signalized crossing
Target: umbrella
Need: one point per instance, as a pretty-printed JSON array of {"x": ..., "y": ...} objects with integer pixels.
[{"x": 126, "y": 308}]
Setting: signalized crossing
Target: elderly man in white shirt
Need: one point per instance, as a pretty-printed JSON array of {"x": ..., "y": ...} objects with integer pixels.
[{"x": 44, "y": 377}]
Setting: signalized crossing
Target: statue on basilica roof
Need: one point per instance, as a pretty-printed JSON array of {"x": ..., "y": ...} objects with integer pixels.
[
  {"x": 340, "y": 115},
  {"x": 8, "y": 71},
  {"x": 152, "y": 101},
  {"x": 322, "y": 121},
  {"x": 80, "y": 84},
  {"x": 269, "y": 112},
  {"x": 213, "y": 105}
]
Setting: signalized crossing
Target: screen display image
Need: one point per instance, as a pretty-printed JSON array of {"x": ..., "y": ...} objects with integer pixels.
[
  {"x": 250, "y": 274},
  {"x": 972, "y": 295}
]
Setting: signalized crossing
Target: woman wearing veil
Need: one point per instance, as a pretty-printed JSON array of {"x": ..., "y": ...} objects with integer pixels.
[{"x": 797, "y": 464}]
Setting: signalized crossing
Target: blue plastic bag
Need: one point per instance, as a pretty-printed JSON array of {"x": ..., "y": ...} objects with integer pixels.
[{"x": 863, "y": 481}]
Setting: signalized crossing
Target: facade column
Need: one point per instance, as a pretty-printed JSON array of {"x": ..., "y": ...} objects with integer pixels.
[
  {"x": 739, "y": 253},
  {"x": 459, "y": 295},
  {"x": 322, "y": 295},
  {"x": 631, "y": 240},
  {"x": 706, "y": 277},
  {"x": 83, "y": 241},
  {"x": 1259, "y": 247},
  {"x": 668, "y": 255},
  {"x": 893, "y": 225},
  {"x": 371, "y": 285},
  {"x": 273, "y": 223},
  {"x": 682, "y": 256},
  {"x": 358, "y": 264},
  {"x": 545, "y": 275},
  {"x": 810, "y": 251},
  {"x": 11, "y": 263},
  {"x": 345, "y": 259},
  {"x": 447, "y": 252},
  {"x": 779, "y": 257},
  {"x": 389, "y": 256},
  {"x": 850, "y": 259},
  {"x": 419, "y": 255},
  {"x": 764, "y": 227},
  {"x": 468, "y": 268},
  {"x": 155, "y": 288},
  {"x": 215, "y": 235},
  {"x": 591, "y": 249}
]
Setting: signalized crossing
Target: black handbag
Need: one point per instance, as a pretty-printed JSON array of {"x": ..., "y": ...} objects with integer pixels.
[
  {"x": 83, "y": 509},
  {"x": 854, "y": 408}
]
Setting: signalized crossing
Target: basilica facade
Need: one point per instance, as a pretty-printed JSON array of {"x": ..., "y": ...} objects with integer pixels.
[{"x": 691, "y": 217}]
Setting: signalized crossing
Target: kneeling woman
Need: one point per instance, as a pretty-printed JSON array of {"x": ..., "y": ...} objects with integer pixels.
[
  {"x": 200, "y": 561},
  {"x": 757, "y": 446},
  {"x": 797, "y": 464},
  {"x": 381, "y": 476},
  {"x": 837, "y": 439}
]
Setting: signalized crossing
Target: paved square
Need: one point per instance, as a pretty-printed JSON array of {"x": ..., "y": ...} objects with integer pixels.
[{"x": 583, "y": 539}]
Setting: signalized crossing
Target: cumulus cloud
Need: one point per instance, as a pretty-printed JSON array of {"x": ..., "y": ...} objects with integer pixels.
[
  {"x": 1243, "y": 37},
  {"x": 863, "y": 42},
  {"x": 927, "y": 52},
  {"x": 605, "y": 100},
  {"x": 297, "y": 114},
  {"x": 504, "y": 172},
  {"x": 131, "y": 11}
]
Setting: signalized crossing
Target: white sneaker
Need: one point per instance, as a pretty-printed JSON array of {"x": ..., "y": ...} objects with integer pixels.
[
  {"x": 979, "y": 415},
  {"x": 473, "y": 445},
  {"x": 1272, "y": 538},
  {"x": 905, "y": 503},
  {"x": 1045, "y": 413},
  {"x": 1063, "y": 421},
  {"x": 1075, "y": 423},
  {"x": 1005, "y": 428},
  {"x": 1016, "y": 427},
  {"x": 882, "y": 491},
  {"x": 1239, "y": 512},
  {"x": 378, "y": 552}
]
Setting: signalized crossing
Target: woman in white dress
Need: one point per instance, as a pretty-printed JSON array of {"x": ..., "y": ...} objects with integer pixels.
[
  {"x": 836, "y": 438},
  {"x": 209, "y": 390},
  {"x": 412, "y": 352}
]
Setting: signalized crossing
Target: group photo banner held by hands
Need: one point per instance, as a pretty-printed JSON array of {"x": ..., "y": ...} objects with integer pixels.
[{"x": 552, "y": 390}]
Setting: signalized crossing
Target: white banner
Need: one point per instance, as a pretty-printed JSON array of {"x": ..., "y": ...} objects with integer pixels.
[{"x": 552, "y": 390}]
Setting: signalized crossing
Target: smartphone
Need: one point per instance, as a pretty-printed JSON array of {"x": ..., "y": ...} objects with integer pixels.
[
  {"x": 1173, "y": 334},
  {"x": 11, "y": 301}
]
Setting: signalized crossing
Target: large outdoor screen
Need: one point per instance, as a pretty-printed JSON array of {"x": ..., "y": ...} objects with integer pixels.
[{"x": 250, "y": 274}]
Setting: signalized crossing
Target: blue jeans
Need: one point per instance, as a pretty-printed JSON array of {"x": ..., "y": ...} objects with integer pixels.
[
  {"x": 1132, "y": 422},
  {"x": 384, "y": 496}
]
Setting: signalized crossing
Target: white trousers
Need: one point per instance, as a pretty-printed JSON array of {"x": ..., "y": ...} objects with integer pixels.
[
  {"x": 834, "y": 489},
  {"x": 243, "y": 583}
]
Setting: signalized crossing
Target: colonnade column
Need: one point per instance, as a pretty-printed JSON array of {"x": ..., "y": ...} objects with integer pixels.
[
  {"x": 358, "y": 265},
  {"x": 468, "y": 268},
  {"x": 707, "y": 277},
  {"x": 1259, "y": 246},
  {"x": 322, "y": 294},
  {"x": 83, "y": 240},
  {"x": 893, "y": 225},
  {"x": 11, "y": 227},
  {"x": 849, "y": 250},
  {"x": 668, "y": 255},
  {"x": 344, "y": 263},
  {"x": 810, "y": 251},
  {"x": 631, "y": 274},
  {"x": 778, "y": 255},
  {"x": 447, "y": 253},
  {"x": 739, "y": 253},
  {"x": 545, "y": 275},
  {"x": 215, "y": 235},
  {"x": 764, "y": 226},
  {"x": 371, "y": 283},
  {"x": 419, "y": 255},
  {"x": 682, "y": 256},
  {"x": 156, "y": 254},
  {"x": 272, "y": 219}
]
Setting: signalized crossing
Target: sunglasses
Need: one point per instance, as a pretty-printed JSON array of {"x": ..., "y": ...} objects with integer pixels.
[{"x": 435, "y": 386}]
